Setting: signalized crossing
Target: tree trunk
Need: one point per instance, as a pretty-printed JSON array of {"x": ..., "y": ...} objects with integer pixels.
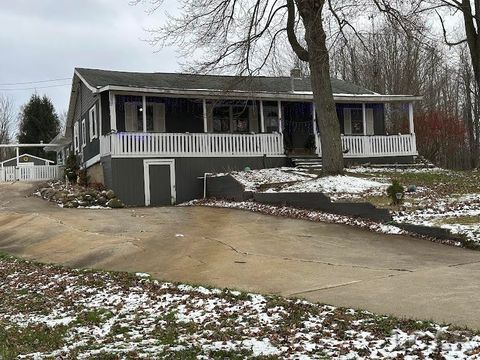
[{"x": 319, "y": 62}]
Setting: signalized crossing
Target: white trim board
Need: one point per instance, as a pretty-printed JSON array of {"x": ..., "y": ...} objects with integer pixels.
[
  {"x": 146, "y": 178},
  {"x": 25, "y": 154},
  {"x": 192, "y": 156},
  {"x": 252, "y": 95},
  {"x": 92, "y": 161}
]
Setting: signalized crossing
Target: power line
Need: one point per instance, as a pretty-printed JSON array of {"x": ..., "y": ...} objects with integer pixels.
[
  {"x": 36, "y": 87},
  {"x": 34, "y": 82}
]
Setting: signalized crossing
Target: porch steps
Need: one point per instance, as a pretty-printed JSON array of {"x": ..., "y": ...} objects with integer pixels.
[{"x": 307, "y": 163}]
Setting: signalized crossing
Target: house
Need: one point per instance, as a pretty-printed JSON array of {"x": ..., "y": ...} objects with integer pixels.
[
  {"x": 26, "y": 160},
  {"x": 151, "y": 137}
]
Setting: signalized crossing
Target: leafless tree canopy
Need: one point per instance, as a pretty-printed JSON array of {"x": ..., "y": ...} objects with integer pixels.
[{"x": 7, "y": 117}]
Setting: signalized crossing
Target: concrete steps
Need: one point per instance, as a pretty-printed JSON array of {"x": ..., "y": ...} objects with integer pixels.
[{"x": 307, "y": 163}]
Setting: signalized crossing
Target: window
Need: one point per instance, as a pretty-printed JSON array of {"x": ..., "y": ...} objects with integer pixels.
[
  {"x": 240, "y": 116},
  {"x": 221, "y": 119},
  {"x": 84, "y": 133},
  {"x": 92, "y": 123},
  {"x": 155, "y": 114},
  {"x": 270, "y": 118},
  {"x": 76, "y": 140}
]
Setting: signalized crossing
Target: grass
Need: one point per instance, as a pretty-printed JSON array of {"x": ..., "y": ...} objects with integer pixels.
[
  {"x": 442, "y": 182},
  {"x": 462, "y": 220},
  {"x": 173, "y": 335},
  {"x": 15, "y": 340}
]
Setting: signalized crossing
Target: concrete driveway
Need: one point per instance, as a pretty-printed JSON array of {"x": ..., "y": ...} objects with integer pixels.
[{"x": 332, "y": 264}]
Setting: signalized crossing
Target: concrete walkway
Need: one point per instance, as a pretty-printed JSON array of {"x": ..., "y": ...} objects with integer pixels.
[{"x": 332, "y": 264}]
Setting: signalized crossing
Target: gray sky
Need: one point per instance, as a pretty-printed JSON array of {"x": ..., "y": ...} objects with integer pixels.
[{"x": 47, "y": 39}]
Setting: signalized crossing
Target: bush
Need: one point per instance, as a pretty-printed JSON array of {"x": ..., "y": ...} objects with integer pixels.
[
  {"x": 71, "y": 168},
  {"x": 395, "y": 189},
  {"x": 83, "y": 177}
]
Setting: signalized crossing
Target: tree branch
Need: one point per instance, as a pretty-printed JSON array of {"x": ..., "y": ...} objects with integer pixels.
[{"x": 299, "y": 50}]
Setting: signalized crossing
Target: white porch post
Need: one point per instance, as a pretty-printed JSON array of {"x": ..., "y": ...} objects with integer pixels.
[
  {"x": 410, "y": 119},
  {"x": 262, "y": 118},
  {"x": 279, "y": 116},
  {"x": 144, "y": 113},
  {"x": 17, "y": 170},
  {"x": 113, "y": 114},
  {"x": 205, "y": 117}
]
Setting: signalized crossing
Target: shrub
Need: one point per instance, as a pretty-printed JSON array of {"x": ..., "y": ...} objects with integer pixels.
[
  {"x": 395, "y": 189},
  {"x": 71, "y": 168}
]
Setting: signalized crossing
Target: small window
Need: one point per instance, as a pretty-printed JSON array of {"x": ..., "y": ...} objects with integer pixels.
[
  {"x": 221, "y": 119},
  {"x": 76, "y": 140},
  {"x": 84, "y": 133},
  {"x": 357, "y": 121},
  {"x": 92, "y": 123}
]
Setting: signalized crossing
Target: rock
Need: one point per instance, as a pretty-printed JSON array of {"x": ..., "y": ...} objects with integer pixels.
[
  {"x": 115, "y": 203},
  {"x": 101, "y": 200},
  {"x": 83, "y": 203},
  {"x": 110, "y": 194},
  {"x": 71, "y": 205},
  {"x": 50, "y": 193},
  {"x": 43, "y": 191},
  {"x": 70, "y": 197}
]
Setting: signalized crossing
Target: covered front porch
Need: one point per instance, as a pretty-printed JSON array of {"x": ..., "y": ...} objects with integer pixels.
[{"x": 144, "y": 125}]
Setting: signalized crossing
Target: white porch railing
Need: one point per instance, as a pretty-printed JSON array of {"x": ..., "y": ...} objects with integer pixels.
[
  {"x": 30, "y": 173},
  {"x": 377, "y": 145},
  {"x": 201, "y": 145}
]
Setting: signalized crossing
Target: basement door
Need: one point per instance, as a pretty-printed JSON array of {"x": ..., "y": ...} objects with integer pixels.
[{"x": 159, "y": 181}]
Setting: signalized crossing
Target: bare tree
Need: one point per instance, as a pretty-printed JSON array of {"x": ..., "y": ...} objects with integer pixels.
[
  {"x": 245, "y": 35},
  {"x": 7, "y": 116}
]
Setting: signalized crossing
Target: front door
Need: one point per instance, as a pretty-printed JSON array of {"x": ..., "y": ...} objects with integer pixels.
[
  {"x": 298, "y": 127},
  {"x": 159, "y": 179}
]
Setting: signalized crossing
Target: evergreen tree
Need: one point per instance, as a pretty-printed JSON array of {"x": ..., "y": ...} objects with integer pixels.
[{"x": 38, "y": 122}]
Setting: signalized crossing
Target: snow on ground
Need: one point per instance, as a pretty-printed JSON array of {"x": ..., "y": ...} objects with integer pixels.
[
  {"x": 443, "y": 198},
  {"x": 338, "y": 186},
  {"x": 52, "y": 312},
  {"x": 446, "y": 212},
  {"x": 252, "y": 180}
]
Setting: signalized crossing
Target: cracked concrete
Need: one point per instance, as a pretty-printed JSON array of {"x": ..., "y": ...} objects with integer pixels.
[{"x": 334, "y": 264}]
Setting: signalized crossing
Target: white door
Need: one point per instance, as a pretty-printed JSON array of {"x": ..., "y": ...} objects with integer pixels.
[{"x": 159, "y": 182}]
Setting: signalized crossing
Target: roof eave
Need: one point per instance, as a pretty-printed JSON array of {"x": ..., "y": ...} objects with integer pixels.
[{"x": 306, "y": 96}]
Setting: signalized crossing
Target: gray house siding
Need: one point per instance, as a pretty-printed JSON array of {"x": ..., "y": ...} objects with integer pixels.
[
  {"x": 84, "y": 102},
  {"x": 104, "y": 98},
  {"x": 128, "y": 180}
]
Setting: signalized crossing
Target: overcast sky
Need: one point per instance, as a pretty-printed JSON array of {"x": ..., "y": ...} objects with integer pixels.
[{"x": 47, "y": 39}]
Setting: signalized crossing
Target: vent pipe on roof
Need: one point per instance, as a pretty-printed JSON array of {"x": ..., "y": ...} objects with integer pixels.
[{"x": 295, "y": 74}]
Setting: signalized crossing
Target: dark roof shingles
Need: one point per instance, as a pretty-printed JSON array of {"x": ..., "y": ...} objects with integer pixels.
[{"x": 100, "y": 78}]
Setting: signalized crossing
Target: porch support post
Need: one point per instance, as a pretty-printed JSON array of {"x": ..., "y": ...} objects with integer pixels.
[
  {"x": 262, "y": 118},
  {"x": 113, "y": 113},
  {"x": 205, "y": 117},
  {"x": 144, "y": 113},
  {"x": 17, "y": 150},
  {"x": 279, "y": 116},
  {"x": 364, "y": 119},
  {"x": 410, "y": 118}
]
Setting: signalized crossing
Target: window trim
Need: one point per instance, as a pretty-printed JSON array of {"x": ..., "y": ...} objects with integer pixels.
[
  {"x": 92, "y": 122},
  {"x": 84, "y": 133},
  {"x": 76, "y": 138}
]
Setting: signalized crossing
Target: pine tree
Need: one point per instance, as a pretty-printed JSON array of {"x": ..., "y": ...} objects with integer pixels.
[{"x": 38, "y": 122}]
